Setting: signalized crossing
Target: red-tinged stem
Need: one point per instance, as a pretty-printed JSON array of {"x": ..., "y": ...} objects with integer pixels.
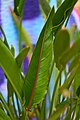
[{"x": 30, "y": 102}]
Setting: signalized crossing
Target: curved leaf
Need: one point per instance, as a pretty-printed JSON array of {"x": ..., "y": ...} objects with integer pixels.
[
  {"x": 10, "y": 67},
  {"x": 37, "y": 78},
  {"x": 22, "y": 55}
]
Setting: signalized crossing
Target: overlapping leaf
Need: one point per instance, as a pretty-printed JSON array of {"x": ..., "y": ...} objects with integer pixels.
[
  {"x": 61, "y": 108},
  {"x": 3, "y": 115},
  {"x": 10, "y": 67},
  {"x": 36, "y": 80}
]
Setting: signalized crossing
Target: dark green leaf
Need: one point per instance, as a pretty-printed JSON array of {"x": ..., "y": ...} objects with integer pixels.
[
  {"x": 20, "y": 7},
  {"x": 61, "y": 44},
  {"x": 78, "y": 91},
  {"x": 70, "y": 53},
  {"x": 16, "y": 3},
  {"x": 76, "y": 84}
]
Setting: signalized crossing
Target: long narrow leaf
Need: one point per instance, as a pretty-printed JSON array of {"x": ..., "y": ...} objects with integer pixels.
[
  {"x": 37, "y": 78},
  {"x": 69, "y": 80},
  {"x": 60, "y": 109},
  {"x": 3, "y": 115},
  {"x": 10, "y": 67},
  {"x": 6, "y": 106}
]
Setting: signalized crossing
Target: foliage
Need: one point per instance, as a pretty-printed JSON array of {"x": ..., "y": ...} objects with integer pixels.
[{"x": 52, "y": 55}]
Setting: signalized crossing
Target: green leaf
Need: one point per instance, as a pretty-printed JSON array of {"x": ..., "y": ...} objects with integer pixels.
[
  {"x": 72, "y": 32},
  {"x": 76, "y": 84},
  {"x": 69, "y": 80},
  {"x": 35, "y": 81},
  {"x": 45, "y": 6},
  {"x": 37, "y": 78},
  {"x": 74, "y": 61},
  {"x": 70, "y": 53},
  {"x": 62, "y": 13},
  {"x": 6, "y": 106},
  {"x": 60, "y": 109},
  {"x": 61, "y": 44},
  {"x": 12, "y": 50},
  {"x": 10, "y": 67},
  {"x": 16, "y": 3},
  {"x": 20, "y": 7},
  {"x": 22, "y": 55},
  {"x": 5, "y": 39},
  {"x": 43, "y": 110},
  {"x": 3, "y": 115}
]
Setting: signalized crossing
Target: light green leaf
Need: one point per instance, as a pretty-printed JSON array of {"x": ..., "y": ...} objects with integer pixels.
[
  {"x": 69, "y": 80},
  {"x": 6, "y": 106},
  {"x": 60, "y": 109},
  {"x": 10, "y": 67},
  {"x": 22, "y": 55},
  {"x": 3, "y": 115},
  {"x": 70, "y": 53},
  {"x": 72, "y": 31}
]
